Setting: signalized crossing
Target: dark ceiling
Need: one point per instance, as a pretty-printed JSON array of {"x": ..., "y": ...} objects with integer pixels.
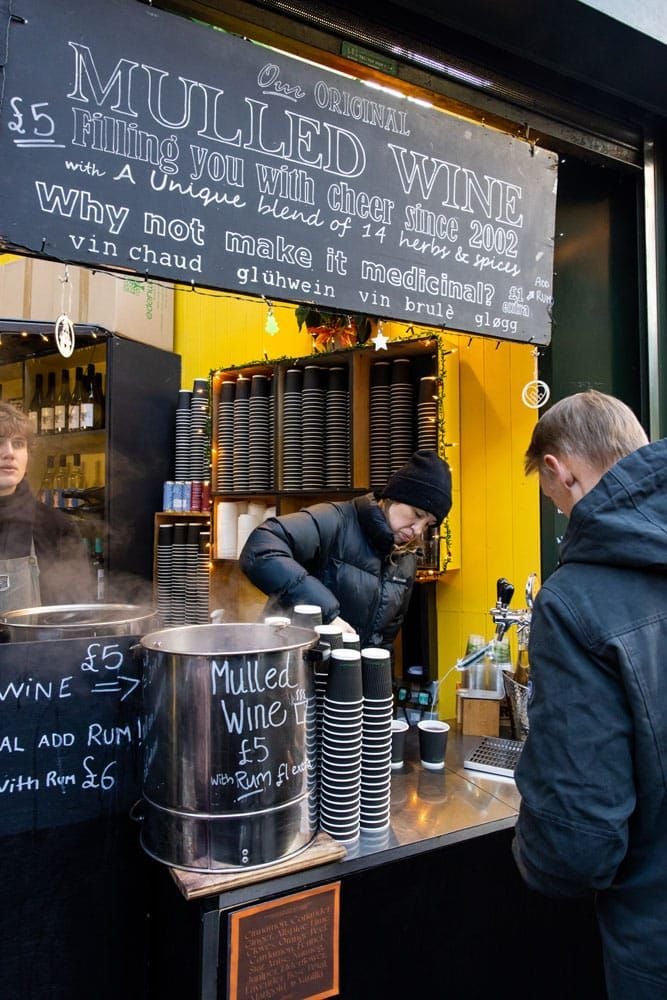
[{"x": 561, "y": 47}]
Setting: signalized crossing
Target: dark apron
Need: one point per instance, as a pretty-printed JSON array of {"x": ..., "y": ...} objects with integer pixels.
[{"x": 19, "y": 582}]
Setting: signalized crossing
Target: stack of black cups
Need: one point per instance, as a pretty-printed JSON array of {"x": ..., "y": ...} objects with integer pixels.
[
  {"x": 337, "y": 428},
  {"x": 259, "y": 445},
  {"x": 312, "y": 429},
  {"x": 330, "y": 637},
  {"x": 309, "y": 616},
  {"x": 401, "y": 416},
  {"x": 225, "y": 438},
  {"x": 165, "y": 540},
  {"x": 292, "y": 403},
  {"x": 199, "y": 440},
  {"x": 427, "y": 413},
  {"x": 379, "y": 400},
  {"x": 182, "y": 454},
  {"x": 178, "y": 574},
  {"x": 340, "y": 767},
  {"x": 242, "y": 434},
  {"x": 378, "y": 706}
]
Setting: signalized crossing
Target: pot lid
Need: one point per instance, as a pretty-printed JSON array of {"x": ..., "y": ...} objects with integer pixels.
[{"x": 74, "y": 615}]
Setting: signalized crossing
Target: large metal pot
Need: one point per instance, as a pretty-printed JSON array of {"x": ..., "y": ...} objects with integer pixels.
[
  {"x": 229, "y": 745},
  {"x": 70, "y": 621}
]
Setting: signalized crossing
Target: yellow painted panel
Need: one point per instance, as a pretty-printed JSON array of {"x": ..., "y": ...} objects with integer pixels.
[{"x": 487, "y": 429}]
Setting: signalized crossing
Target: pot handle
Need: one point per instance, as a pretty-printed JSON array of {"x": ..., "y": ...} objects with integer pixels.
[
  {"x": 136, "y": 812},
  {"x": 217, "y": 616}
]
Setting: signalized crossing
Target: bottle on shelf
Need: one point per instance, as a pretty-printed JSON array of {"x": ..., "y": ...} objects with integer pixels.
[
  {"x": 74, "y": 408},
  {"x": 60, "y": 481},
  {"x": 98, "y": 402},
  {"x": 522, "y": 671},
  {"x": 76, "y": 480},
  {"x": 46, "y": 487},
  {"x": 98, "y": 567},
  {"x": 87, "y": 408},
  {"x": 48, "y": 409},
  {"x": 35, "y": 406},
  {"x": 62, "y": 404}
]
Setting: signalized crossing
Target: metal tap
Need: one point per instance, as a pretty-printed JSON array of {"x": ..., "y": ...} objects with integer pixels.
[{"x": 503, "y": 616}]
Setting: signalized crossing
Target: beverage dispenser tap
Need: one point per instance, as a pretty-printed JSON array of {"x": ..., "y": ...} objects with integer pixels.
[{"x": 502, "y": 616}]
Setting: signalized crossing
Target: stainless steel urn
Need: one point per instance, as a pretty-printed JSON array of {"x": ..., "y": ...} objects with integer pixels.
[{"x": 229, "y": 745}]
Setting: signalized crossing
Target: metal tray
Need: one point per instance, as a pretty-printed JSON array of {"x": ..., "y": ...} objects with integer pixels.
[{"x": 495, "y": 755}]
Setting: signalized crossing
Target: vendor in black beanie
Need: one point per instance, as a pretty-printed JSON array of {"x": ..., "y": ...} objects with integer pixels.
[{"x": 356, "y": 559}]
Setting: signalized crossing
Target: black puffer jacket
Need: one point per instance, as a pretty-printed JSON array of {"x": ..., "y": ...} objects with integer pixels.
[
  {"x": 593, "y": 773},
  {"x": 338, "y": 556},
  {"x": 65, "y": 575}
]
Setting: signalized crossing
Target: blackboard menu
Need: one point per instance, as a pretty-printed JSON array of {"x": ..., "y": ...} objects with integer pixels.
[
  {"x": 131, "y": 138},
  {"x": 70, "y": 731}
]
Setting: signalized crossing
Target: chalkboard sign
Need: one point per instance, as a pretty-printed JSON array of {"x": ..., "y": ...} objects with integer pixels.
[
  {"x": 286, "y": 949},
  {"x": 70, "y": 731},
  {"x": 140, "y": 140}
]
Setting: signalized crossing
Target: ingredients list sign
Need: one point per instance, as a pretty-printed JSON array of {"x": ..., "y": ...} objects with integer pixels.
[
  {"x": 139, "y": 140},
  {"x": 286, "y": 949}
]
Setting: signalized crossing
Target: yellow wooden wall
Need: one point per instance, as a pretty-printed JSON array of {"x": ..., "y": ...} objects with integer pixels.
[{"x": 499, "y": 514}]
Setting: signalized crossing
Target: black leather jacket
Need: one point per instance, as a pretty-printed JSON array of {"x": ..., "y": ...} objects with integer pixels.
[{"x": 338, "y": 556}]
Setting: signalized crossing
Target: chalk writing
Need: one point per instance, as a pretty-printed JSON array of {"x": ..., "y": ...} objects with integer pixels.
[{"x": 197, "y": 159}]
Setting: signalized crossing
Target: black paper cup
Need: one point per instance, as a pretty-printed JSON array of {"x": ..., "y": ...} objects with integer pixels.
[
  {"x": 344, "y": 678},
  {"x": 306, "y": 615},
  {"x": 399, "y": 729},
  {"x": 376, "y": 673},
  {"x": 331, "y": 634},
  {"x": 432, "y": 743}
]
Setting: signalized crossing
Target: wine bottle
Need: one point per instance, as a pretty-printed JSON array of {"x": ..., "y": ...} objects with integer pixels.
[
  {"x": 60, "y": 482},
  {"x": 35, "y": 407},
  {"x": 87, "y": 408},
  {"x": 98, "y": 566},
  {"x": 76, "y": 480},
  {"x": 62, "y": 404},
  {"x": 46, "y": 487},
  {"x": 98, "y": 401},
  {"x": 48, "y": 408},
  {"x": 74, "y": 408},
  {"x": 522, "y": 671}
]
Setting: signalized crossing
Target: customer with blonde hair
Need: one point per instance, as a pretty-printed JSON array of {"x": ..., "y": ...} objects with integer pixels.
[{"x": 593, "y": 772}]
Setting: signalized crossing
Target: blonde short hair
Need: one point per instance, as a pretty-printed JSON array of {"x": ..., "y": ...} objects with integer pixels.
[{"x": 598, "y": 428}]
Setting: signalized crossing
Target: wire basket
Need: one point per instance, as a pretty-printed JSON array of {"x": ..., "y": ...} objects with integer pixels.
[{"x": 517, "y": 696}]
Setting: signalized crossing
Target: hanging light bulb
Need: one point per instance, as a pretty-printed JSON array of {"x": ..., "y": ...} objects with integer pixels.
[{"x": 271, "y": 326}]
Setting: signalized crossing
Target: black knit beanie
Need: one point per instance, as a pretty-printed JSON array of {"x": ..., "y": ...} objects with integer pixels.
[{"x": 424, "y": 482}]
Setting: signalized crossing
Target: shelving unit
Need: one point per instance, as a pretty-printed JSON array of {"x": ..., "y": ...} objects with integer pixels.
[
  {"x": 127, "y": 460},
  {"x": 428, "y": 354}
]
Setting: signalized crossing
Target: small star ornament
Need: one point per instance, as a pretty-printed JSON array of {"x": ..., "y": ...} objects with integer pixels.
[{"x": 380, "y": 340}]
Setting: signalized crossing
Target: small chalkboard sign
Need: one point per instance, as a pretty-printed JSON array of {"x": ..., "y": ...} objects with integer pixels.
[
  {"x": 70, "y": 731},
  {"x": 286, "y": 949}
]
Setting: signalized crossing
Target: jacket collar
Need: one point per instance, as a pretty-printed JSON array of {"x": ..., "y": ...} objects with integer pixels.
[{"x": 374, "y": 524}]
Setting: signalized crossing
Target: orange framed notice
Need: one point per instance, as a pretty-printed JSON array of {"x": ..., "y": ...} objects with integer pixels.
[{"x": 286, "y": 949}]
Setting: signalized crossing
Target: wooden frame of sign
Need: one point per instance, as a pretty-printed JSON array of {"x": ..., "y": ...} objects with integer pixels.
[{"x": 286, "y": 948}]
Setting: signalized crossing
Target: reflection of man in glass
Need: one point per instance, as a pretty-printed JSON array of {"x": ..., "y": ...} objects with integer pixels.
[{"x": 42, "y": 557}]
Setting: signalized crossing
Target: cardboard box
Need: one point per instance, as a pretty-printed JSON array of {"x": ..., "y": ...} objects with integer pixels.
[
  {"x": 479, "y": 716},
  {"x": 138, "y": 309}
]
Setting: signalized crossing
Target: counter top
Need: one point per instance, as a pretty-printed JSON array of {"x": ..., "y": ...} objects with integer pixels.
[{"x": 429, "y": 809}]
